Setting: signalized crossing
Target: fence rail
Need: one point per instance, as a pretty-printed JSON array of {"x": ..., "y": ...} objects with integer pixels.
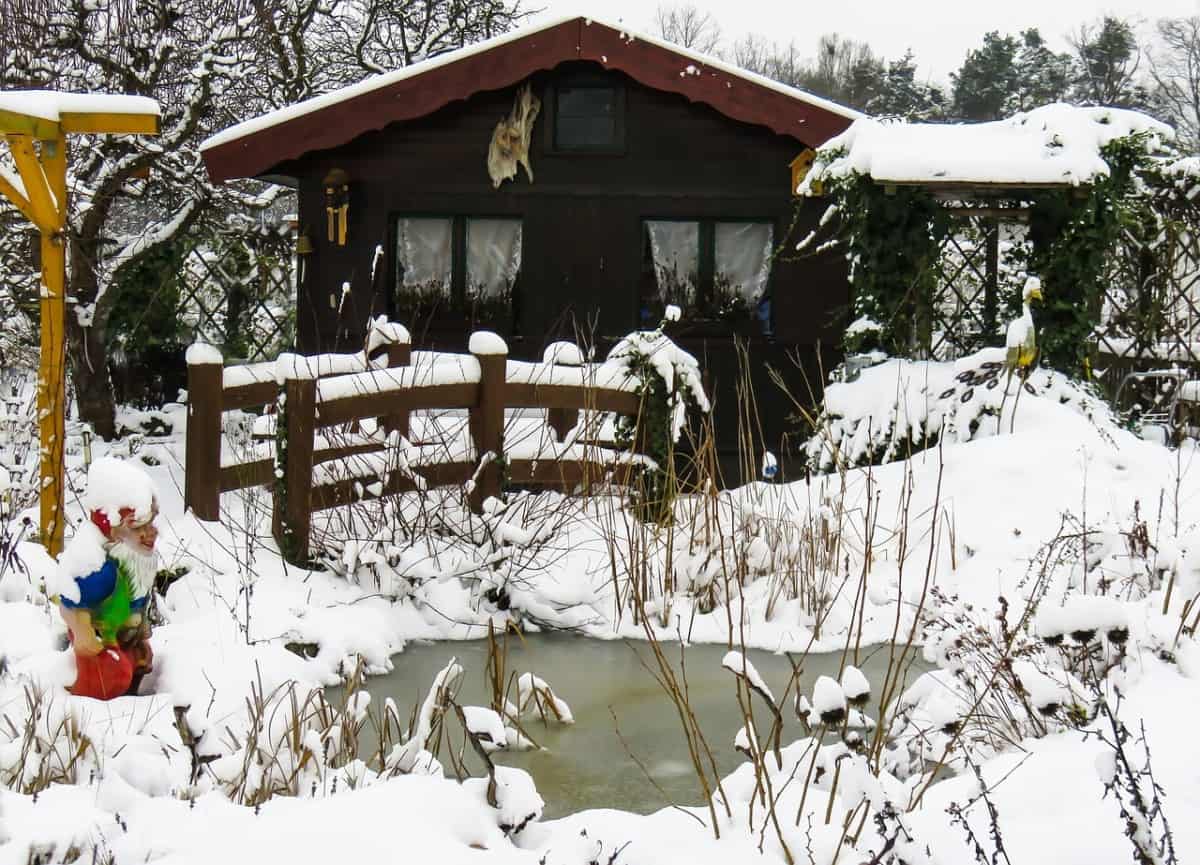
[{"x": 329, "y": 392}]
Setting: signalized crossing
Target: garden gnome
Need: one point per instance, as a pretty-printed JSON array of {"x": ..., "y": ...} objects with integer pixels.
[{"x": 105, "y": 577}]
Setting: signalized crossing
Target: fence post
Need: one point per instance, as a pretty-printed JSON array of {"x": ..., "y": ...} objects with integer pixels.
[
  {"x": 202, "y": 451},
  {"x": 562, "y": 420},
  {"x": 399, "y": 354},
  {"x": 487, "y": 417},
  {"x": 292, "y": 516}
]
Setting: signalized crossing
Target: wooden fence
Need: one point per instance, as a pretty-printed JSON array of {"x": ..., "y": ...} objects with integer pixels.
[{"x": 330, "y": 393}]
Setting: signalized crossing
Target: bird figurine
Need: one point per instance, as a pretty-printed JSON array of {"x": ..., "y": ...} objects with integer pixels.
[
  {"x": 1022, "y": 338},
  {"x": 1021, "y": 346}
]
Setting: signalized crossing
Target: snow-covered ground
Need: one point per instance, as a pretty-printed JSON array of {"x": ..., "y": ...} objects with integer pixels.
[{"x": 952, "y": 544}]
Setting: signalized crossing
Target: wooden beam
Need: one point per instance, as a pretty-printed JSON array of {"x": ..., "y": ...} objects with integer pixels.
[
  {"x": 110, "y": 124},
  {"x": 1004, "y": 214},
  {"x": 16, "y": 197},
  {"x": 16, "y": 123},
  {"x": 49, "y": 215}
]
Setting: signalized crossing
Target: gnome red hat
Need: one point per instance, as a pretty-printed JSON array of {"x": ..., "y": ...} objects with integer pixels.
[
  {"x": 118, "y": 491},
  {"x": 104, "y": 524}
]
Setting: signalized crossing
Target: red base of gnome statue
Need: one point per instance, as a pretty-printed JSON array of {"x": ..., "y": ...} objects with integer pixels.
[{"x": 105, "y": 577}]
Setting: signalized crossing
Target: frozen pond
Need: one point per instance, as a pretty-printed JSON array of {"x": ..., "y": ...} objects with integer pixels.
[{"x": 585, "y": 764}]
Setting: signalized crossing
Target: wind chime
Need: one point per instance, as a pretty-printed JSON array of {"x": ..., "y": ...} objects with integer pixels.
[{"x": 337, "y": 205}]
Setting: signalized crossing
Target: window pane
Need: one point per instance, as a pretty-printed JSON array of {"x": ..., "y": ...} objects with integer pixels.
[
  {"x": 587, "y": 101},
  {"x": 493, "y": 257},
  {"x": 424, "y": 256},
  {"x": 586, "y": 118},
  {"x": 743, "y": 260},
  {"x": 586, "y": 133},
  {"x": 675, "y": 247}
]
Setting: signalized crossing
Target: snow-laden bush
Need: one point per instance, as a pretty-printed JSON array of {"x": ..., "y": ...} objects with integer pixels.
[{"x": 899, "y": 407}]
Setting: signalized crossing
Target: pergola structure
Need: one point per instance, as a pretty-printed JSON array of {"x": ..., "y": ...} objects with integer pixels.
[
  {"x": 925, "y": 188},
  {"x": 36, "y": 124}
]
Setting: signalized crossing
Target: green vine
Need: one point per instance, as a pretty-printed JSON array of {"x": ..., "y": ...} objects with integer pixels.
[
  {"x": 1073, "y": 235},
  {"x": 893, "y": 235},
  {"x": 650, "y": 433}
]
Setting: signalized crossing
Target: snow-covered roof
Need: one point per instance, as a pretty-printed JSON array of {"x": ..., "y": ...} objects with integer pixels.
[
  {"x": 52, "y": 105},
  {"x": 258, "y": 143},
  {"x": 1055, "y": 145}
]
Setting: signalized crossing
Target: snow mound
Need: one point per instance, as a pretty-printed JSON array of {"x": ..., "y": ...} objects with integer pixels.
[{"x": 900, "y": 407}]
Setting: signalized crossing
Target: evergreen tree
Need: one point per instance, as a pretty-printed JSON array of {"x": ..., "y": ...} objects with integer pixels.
[
  {"x": 1009, "y": 74},
  {"x": 1108, "y": 58},
  {"x": 1042, "y": 75},
  {"x": 898, "y": 93},
  {"x": 985, "y": 83}
]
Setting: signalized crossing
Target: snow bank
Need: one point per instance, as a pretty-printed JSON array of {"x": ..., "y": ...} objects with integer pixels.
[{"x": 900, "y": 407}]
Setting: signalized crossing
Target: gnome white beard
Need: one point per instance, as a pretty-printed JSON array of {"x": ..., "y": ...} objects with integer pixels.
[{"x": 141, "y": 565}]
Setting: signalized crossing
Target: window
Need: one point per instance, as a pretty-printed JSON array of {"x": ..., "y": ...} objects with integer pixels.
[
  {"x": 589, "y": 115},
  {"x": 709, "y": 269},
  {"x": 425, "y": 255},
  {"x": 456, "y": 264}
]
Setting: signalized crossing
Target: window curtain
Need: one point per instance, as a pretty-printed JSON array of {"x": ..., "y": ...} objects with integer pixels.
[
  {"x": 675, "y": 247},
  {"x": 425, "y": 254},
  {"x": 493, "y": 257},
  {"x": 743, "y": 259}
]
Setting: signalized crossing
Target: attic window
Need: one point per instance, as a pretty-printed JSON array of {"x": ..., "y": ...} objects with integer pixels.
[{"x": 589, "y": 115}]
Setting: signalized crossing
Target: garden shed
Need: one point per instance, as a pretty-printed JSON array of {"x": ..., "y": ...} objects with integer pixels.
[{"x": 561, "y": 179}]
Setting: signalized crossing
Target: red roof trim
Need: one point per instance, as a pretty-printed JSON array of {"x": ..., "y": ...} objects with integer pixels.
[{"x": 508, "y": 63}]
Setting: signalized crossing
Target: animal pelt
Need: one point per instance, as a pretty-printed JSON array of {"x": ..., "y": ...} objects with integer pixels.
[{"x": 510, "y": 139}]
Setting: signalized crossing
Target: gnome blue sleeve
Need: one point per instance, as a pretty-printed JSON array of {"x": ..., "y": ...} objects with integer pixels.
[{"x": 94, "y": 587}]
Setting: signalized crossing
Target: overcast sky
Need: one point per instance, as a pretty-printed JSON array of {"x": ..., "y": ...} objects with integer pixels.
[{"x": 938, "y": 31}]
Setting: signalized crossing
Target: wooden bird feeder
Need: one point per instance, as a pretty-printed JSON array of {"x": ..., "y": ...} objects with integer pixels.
[{"x": 36, "y": 123}]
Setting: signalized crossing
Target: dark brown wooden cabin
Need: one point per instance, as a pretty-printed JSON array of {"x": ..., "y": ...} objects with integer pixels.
[{"x": 658, "y": 176}]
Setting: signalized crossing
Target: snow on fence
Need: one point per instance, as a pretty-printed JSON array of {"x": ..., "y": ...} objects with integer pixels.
[{"x": 324, "y": 394}]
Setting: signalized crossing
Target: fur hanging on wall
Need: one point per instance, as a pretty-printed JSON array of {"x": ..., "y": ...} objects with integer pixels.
[{"x": 510, "y": 139}]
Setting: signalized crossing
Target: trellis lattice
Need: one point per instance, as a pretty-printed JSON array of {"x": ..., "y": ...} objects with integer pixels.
[
  {"x": 1151, "y": 308},
  {"x": 238, "y": 292},
  {"x": 963, "y": 311}
]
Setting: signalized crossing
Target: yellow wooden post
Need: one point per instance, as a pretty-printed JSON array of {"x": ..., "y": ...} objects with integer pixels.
[
  {"x": 43, "y": 200},
  {"x": 52, "y": 375},
  {"x": 44, "y": 176}
]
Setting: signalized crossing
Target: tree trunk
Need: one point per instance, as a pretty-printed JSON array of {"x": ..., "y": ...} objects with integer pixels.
[
  {"x": 89, "y": 375},
  {"x": 86, "y": 349}
]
